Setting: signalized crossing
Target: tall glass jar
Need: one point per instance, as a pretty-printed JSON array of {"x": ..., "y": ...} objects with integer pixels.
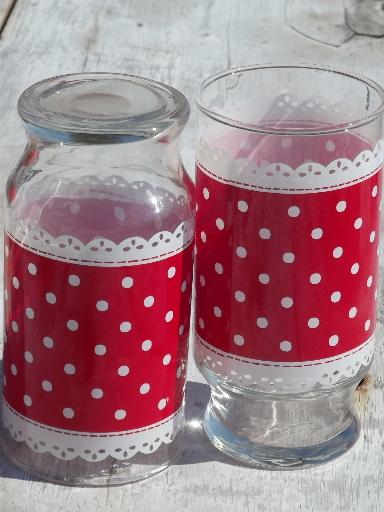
[
  {"x": 98, "y": 271},
  {"x": 289, "y": 170}
]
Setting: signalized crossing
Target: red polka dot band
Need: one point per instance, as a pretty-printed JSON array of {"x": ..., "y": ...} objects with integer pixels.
[
  {"x": 287, "y": 258},
  {"x": 96, "y": 335}
]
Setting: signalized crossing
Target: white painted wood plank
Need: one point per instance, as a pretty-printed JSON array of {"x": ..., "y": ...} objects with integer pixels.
[{"x": 180, "y": 43}]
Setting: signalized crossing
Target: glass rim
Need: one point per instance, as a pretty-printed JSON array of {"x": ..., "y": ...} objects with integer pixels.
[
  {"x": 173, "y": 109},
  {"x": 258, "y": 128}
]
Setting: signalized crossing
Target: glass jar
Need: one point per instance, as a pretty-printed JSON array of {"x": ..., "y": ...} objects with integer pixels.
[
  {"x": 98, "y": 271},
  {"x": 289, "y": 171}
]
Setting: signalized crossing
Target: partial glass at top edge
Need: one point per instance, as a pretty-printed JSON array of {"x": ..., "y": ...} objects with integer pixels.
[
  {"x": 301, "y": 129},
  {"x": 102, "y": 108}
]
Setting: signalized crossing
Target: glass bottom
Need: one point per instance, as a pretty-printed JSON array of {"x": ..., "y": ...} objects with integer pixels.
[
  {"x": 79, "y": 472},
  {"x": 282, "y": 432}
]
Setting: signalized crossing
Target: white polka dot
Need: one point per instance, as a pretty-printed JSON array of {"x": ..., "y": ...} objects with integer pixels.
[
  {"x": 219, "y": 268},
  {"x": 74, "y": 208},
  {"x": 241, "y": 252},
  {"x": 125, "y": 326},
  {"x": 102, "y": 305},
  {"x": 240, "y": 296},
  {"x": 123, "y": 371},
  {"x": 178, "y": 372},
  {"x": 68, "y": 413},
  {"x": 127, "y": 282},
  {"x": 47, "y": 342},
  {"x": 315, "y": 278},
  {"x": 119, "y": 213},
  {"x": 144, "y": 388},
  {"x": 27, "y": 400},
  {"x": 201, "y": 323},
  {"x": 120, "y": 414},
  {"x": 317, "y": 233},
  {"x": 167, "y": 359},
  {"x": 293, "y": 211},
  {"x": 286, "y": 142},
  {"x": 285, "y": 346},
  {"x": 264, "y": 278},
  {"x": 313, "y": 323},
  {"x": 242, "y": 206},
  {"x": 183, "y": 286},
  {"x": 74, "y": 280},
  {"x": 202, "y": 280},
  {"x": 341, "y": 206},
  {"x": 181, "y": 330},
  {"x": 149, "y": 301},
  {"x": 29, "y": 313},
  {"x": 217, "y": 312},
  {"x": 13, "y": 369},
  {"x": 28, "y": 356},
  {"x": 69, "y": 369},
  {"x": 369, "y": 281},
  {"x": 287, "y": 302},
  {"x": 203, "y": 237},
  {"x": 15, "y": 282},
  {"x": 162, "y": 403},
  {"x": 288, "y": 257},
  {"x": 46, "y": 385},
  {"x": 367, "y": 325},
  {"x": 205, "y": 193},
  {"x": 220, "y": 224},
  {"x": 355, "y": 268},
  {"x": 352, "y": 312},
  {"x": 264, "y": 234},
  {"x": 97, "y": 393},
  {"x": 330, "y": 145},
  {"x": 15, "y": 326},
  {"x": 100, "y": 350},
  {"x": 337, "y": 252},
  {"x": 171, "y": 272},
  {"x": 374, "y": 191},
  {"x": 372, "y": 236},
  {"x": 50, "y": 298},
  {"x": 262, "y": 322},
  {"x": 336, "y": 296},
  {"x": 32, "y": 269},
  {"x": 146, "y": 345},
  {"x": 169, "y": 316},
  {"x": 358, "y": 223},
  {"x": 238, "y": 339},
  {"x": 333, "y": 340},
  {"x": 72, "y": 325}
]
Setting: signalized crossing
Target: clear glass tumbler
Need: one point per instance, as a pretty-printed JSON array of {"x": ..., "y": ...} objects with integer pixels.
[
  {"x": 98, "y": 271},
  {"x": 289, "y": 176}
]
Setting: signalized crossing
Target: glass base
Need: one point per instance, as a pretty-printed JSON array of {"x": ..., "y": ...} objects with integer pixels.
[
  {"x": 78, "y": 472},
  {"x": 282, "y": 432}
]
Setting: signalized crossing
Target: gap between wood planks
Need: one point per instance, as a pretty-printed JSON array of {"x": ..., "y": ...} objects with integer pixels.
[{"x": 6, "y": 9}]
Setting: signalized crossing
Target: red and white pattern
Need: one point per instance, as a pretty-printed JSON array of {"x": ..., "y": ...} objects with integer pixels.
[
  {"x": 96, "y": 341},
  {"x": 286, "y": 267}
]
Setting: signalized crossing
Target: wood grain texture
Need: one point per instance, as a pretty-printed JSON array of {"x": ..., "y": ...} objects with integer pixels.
[{"x": 180, "y": 43}]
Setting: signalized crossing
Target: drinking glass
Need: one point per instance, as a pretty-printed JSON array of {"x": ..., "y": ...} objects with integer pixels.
[
  {"x": 289, "y": 176},
  {"x": 98, "y": 271}
]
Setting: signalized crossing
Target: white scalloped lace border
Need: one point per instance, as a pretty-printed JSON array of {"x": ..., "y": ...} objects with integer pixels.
[
  {"x": 102, "y": 251},
  {"x": 277, "y": 376},
  {"x": 92, "y": 447},
  {"x": 281, "y": 178}
]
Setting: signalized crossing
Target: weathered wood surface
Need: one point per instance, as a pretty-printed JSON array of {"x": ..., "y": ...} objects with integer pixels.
[{"x": 180, "y": 42}]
